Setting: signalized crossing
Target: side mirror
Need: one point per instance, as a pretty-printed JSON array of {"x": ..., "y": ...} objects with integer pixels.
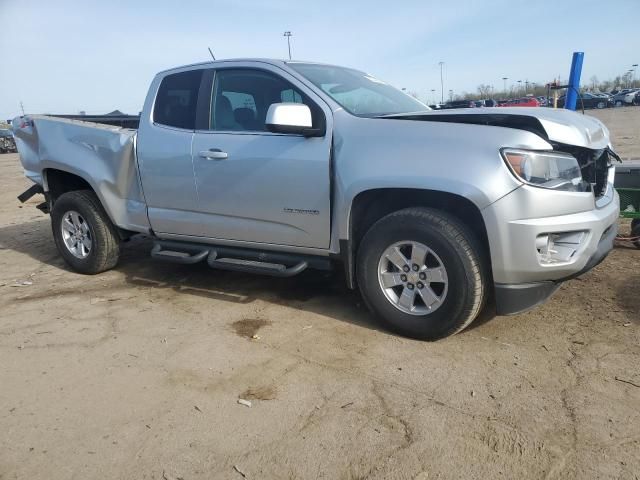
[{"x": 290, "y": 118}]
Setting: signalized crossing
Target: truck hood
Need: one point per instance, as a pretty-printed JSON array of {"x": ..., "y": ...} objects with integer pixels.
[{"x": 554, "y": 125}]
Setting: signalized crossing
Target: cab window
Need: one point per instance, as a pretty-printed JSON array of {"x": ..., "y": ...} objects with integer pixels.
[
  {"x": 177, "y": 98},
  {"x": 241, "y": 98}
]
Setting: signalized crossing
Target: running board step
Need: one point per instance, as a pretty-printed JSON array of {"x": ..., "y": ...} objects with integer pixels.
[
  {"x": 178, "y": 256},
  {"x": 252, "y": 266},
  {"x": 275, "y": 264}
]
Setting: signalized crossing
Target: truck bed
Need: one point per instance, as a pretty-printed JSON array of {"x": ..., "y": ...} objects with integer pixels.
[
  {"x": 102, "y": 155},
  {"x": 125, "y": 121}
]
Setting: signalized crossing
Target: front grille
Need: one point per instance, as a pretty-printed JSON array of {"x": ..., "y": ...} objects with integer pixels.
[{"x": 594, "y": 165}]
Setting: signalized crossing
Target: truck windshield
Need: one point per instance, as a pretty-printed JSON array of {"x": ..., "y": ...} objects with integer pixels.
[{"x": 357, "y": 92}]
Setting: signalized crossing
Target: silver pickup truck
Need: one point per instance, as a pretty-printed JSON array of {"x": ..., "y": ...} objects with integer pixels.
[{"x": 273, "y": 167}]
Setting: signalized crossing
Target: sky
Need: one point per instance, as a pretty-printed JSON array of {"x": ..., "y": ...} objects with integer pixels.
[{"x": 65, "y": 56}]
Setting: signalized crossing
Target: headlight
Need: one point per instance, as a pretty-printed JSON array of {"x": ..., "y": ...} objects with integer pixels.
[{"x": 557, "y": 171}]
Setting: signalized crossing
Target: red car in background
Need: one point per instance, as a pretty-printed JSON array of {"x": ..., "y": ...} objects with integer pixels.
[{"x": 523, "y": 102}]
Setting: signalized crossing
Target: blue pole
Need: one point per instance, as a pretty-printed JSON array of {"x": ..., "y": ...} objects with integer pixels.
[{"x": 574, "y": 81}]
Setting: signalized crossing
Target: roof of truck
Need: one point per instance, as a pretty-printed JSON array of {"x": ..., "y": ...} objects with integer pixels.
[{"x": 272, "y": 61}]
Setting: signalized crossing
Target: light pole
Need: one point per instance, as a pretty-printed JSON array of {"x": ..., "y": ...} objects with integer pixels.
[
  {"x": 433, "y": 97},
  {"x": 450, "y": 95},
  {"x": 519, "y": 87},
  {"x": 504, "y": 79},
  {"x": 441, "y": 63},
  {"x": 288, "y": 35},
  {"x": 634, "y": 72}
]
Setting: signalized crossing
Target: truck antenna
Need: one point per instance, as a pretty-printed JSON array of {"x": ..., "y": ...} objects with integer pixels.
[{"x": 212, "y": 55}]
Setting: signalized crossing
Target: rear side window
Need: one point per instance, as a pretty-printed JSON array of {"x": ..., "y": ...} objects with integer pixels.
[{"x": 177, "y": 99}]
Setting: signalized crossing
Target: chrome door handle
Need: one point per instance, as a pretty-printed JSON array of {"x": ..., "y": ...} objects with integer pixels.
[{"x": 214, "y": 154}]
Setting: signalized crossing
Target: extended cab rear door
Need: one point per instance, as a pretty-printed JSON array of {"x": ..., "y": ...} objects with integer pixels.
[
  {"x": 259, "y": 187},
  {"x": 163, "y": 149}
]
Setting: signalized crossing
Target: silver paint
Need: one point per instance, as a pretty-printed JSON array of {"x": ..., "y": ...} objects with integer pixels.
[{"x": 248, "y": 197}]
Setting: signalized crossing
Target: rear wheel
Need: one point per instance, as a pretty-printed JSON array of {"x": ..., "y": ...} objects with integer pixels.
[
  {"x": 84, "y": 234},
  {"x": 618, "y": 103},
  {"x": 601, "y": 105},
  {"x": 422, "y": 272}
]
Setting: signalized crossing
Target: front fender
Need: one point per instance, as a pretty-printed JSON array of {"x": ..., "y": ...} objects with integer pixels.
[{"x": 459, "y": 159}]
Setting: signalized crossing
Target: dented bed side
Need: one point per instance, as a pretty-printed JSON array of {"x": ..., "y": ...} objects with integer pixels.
[{"x": 102, "y": 155}]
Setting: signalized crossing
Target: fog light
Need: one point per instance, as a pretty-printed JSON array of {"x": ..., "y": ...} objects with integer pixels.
[{"x": 559, "y": 247}]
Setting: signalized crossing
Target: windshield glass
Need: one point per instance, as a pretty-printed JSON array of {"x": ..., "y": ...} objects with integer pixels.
[{"x": 357, "y": 92}]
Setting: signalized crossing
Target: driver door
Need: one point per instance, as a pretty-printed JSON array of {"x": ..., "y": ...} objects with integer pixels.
[{"x": 253, "y": 185}]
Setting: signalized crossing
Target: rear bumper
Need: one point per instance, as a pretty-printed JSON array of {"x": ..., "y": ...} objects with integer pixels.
[{"x": 520, "y": 297}]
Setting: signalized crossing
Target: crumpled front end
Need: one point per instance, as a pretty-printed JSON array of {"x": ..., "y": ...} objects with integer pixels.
[{"x": 539, "y": 237}]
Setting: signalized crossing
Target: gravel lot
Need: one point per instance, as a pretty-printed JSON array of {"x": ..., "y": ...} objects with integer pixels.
[
  {"x": 624, "y": 126},
  {"x": 136, "y": 373}
]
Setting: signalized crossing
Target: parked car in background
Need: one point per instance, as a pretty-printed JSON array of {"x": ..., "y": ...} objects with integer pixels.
[
  {"x": 636, "y": 98},
  {"x": 523, "y": 102},
  {"x": 490, "y": 102},
  {"x": 543, "y": 101},
  {"x": 459, "y": 104},
  {"x": 624, "y": 97},
  {"x": 479, "y": 103},
  {"x": 616, "y": 92},
  {"x": 588, "y": 100},
  {"x": 7, "y": 142}
]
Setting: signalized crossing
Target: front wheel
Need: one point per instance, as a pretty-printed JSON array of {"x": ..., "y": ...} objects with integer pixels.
[
  {"x": 601, "y": 105},
  {"x": 423, "y": 272},
  {"x": 84, "y": 234}
]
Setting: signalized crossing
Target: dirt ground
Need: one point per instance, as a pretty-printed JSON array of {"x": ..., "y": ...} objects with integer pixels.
[
  {"x": 136, "y": 373},
  {"x": 624, "y": 126}
]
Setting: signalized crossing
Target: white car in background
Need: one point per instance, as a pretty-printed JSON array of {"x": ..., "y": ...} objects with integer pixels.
[{"x": 624, "y": 97}]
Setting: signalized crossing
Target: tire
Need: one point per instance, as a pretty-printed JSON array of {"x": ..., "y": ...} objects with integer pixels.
[
  {"x": 81, "y": 212},
  {"x": 459, "y": 298},
  {"x": 618, "y": 103},
  {"x": 600, "y": 105}
]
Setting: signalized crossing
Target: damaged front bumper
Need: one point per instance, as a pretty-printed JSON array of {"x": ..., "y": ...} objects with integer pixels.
[
  {"x": 520, "y": 297},
  {"x": 540, "y": 238}
]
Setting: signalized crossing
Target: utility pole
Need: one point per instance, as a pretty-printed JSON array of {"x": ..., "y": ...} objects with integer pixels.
[
  {"x": 504, "y": 79},
  {"x": 441, "y": 63},
  {"x": 288, "y": 35}
]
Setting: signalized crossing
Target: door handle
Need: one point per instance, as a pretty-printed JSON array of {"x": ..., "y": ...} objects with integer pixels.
[{"x": 214, "y": 154}]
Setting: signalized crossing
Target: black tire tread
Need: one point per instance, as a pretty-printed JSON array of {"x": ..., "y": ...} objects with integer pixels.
[
  {"x": 467, "y": 245},
  {"x": 106, "y": 239}
]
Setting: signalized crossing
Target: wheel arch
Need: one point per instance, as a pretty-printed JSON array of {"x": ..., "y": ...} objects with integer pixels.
[
  {"x": 370, "y": 205},
  {"x": 57, "y": 182}
]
